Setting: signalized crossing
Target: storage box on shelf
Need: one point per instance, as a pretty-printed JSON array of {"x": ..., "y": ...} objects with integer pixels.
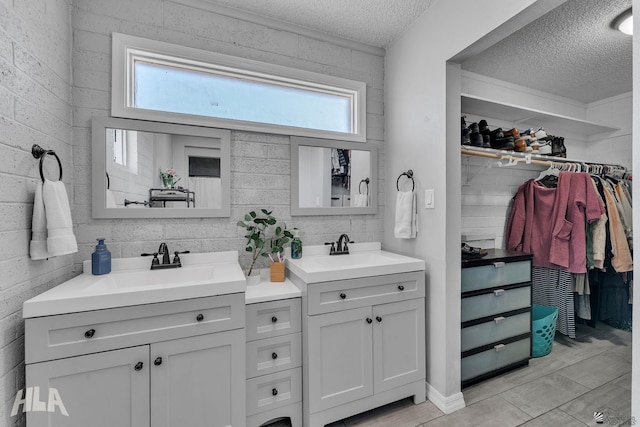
[{"x": 495, "y": 314}]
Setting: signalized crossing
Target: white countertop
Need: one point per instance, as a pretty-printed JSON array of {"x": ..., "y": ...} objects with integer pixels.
[
  {"x": 363, "y": 260},
  {"x": 271, "y": 291},
  {"x": 131, "y": 282}
]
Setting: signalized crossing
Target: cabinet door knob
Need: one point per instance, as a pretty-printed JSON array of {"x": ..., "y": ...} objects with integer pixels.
[
  {"x": 379, "y": 319},
  {"x": 158, "y": 361},
  {"x": 369, "y": 320},
  {"x": 274, "y": 391},
  {"x": 498, "y": 292},
  {"x": 138, "y": 366},
  {"x": 274, "y": 319},
  {"x": 274, "y": 355},
  {"x": 200, "y": 317},
  {"x": 343, "y": 295},
  {"x": 401, "y": 287},
  {"x": 89, "y": 333}
]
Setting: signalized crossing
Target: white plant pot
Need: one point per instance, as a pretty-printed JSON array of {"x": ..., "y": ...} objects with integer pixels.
[{"x": 254, "y": 279}]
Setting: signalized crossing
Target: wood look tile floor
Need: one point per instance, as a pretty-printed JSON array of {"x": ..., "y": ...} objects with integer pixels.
[{"x": 579, "y": 377}]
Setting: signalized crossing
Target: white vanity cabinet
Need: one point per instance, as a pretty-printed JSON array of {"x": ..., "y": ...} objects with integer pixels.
[
  {"x": 363, "y": 344},
  {"x": 164, "y": 364}
]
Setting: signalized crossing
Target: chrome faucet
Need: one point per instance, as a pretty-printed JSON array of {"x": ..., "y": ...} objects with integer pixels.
[
  {"x": 164, "y": 251},
  {"x": 340, "y": 247}
]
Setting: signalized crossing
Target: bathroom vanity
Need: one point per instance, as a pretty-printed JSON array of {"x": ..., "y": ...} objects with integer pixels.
[
  {"x": 363, "y": 330},
  {"x": 139, "y": 347}
]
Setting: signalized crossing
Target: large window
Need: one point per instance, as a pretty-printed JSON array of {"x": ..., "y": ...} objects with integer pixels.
[{"x": 160, "y": 81}]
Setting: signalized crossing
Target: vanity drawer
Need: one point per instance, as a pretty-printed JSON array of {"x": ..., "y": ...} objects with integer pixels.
[
  {"x": 66, "y": 335},
  {"x": 274, "y": 354},
  {"x": 495, "y": 330},
  {"x": 340, "y": 295},
  {"x": 495, "y": 274},
  {"x": 274, "y": 391},
  {"x": 499, "y": 356},
  {"x": 495, "y": 302},
  {"x": 273, "y": 318}
]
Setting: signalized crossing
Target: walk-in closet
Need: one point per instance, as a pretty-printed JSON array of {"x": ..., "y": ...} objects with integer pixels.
[{"x": 579, "y": 99}]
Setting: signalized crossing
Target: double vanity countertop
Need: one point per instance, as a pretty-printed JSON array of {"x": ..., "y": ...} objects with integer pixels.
[{"x": 132, "y": 282}]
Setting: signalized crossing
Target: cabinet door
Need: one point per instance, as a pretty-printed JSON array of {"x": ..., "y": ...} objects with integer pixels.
[
  {"x": 340, "y": 359},
  {"x": 99, "y": 390},
  {"x": 199, "y": 381},
  {"x": 398, "y": 344}
]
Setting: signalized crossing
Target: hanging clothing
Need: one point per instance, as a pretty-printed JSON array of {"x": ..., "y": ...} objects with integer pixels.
[
  {"x": 621, "y": 260},
  {"x": 553, "y": 287}
]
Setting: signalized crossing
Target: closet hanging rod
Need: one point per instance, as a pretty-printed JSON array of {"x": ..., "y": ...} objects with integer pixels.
[{"x": 536, "y": 159}]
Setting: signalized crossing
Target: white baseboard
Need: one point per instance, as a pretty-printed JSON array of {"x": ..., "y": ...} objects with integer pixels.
[{"x": 446, "y": 404}]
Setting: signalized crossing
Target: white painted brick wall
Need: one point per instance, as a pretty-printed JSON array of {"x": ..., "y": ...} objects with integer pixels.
[
  {"x": 35, "y": 97},
  {"x": 260, "y": 163}
]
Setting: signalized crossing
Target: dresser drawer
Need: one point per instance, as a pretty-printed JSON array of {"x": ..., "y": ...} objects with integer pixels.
[
  {"x": 495, "y": 302},
  {"x": 55, "y": 337},
  {"x": 495, "y": 330},
  {"x": 274, "y": 354},
  {"x": 274, "y": 391},
  {"x": 273, "y": 318},
  {"x": 500, "y": 356},
  {"x": 340, "y": 295},
  {"x": 495, "y": 274}
]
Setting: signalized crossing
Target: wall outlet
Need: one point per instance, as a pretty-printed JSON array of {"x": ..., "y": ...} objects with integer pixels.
[{"x": 429, "y": 199}]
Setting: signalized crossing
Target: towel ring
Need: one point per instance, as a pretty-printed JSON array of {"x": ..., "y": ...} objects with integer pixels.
[
  {"x": 408, "y": 174},
  {"x": 366, "y": 181},
  {"x": 40, "y": 153}
]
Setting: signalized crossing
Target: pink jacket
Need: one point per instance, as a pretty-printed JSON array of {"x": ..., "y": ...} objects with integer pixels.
[{"x": 551, "y": 222}]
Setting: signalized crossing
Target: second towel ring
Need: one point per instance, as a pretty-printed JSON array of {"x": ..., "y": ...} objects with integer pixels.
[
  {"x": 408, "y": 174},
  {"x": 40, "y": 153},
  {"x": 366, "y": 182}
]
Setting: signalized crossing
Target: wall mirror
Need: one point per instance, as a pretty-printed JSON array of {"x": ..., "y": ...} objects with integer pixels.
[
  {"x": 147, "y": 169},
  {"x": 331, "y": 177}
]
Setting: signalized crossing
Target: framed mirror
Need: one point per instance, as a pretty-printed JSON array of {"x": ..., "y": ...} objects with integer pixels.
[
  {"x": 330, "y": 177},
  {"x": 144, "y": 169}
]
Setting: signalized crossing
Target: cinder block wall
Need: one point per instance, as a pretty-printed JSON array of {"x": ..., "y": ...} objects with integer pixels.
[
  {"x": 260, "y": 163},
  {"x": 35, "y": 108}
]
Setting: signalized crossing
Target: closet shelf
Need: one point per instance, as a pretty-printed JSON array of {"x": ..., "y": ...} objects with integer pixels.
[
  {"x": 536, "y": 159},
  {"x": 527, "y": 117}
]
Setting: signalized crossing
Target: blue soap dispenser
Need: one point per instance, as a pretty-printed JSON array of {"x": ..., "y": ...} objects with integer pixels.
[
  {"x": 101, "y": 259},
  {"x": 296, "y": 245}
]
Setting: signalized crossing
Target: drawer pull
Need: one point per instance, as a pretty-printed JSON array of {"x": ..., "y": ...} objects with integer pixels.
[
  {"x": 138, "y": 366},
  {"x": 274, "y": 391},
  {"x": 343, "y": 295},
  {"x": 90, "y": 333},
  {"x": 274, "y": 319},
  {"x": 369, "y": 320},
  {"x": 498, "y": 292},
  {"x": 379, "y": 319},
  {"x": 498, "y": 320},
  {"x": 400, "y": 287},
  {"x": 274, "y": 355},
  {"x": 498, "y": 264},
  {"x": 200, "y": 317},
  {"x": 158, "y": 361},
  {"x": 499, "y": 347}
]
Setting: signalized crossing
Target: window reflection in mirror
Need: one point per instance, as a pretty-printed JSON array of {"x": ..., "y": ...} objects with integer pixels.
[
  {"x": 332, "y": 177},
  {"x": 159, "y": 170}
]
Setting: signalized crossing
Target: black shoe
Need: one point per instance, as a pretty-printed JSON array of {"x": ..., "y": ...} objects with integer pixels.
[
  {"x": 476, "y": 139},
  {"x": 486, "y": 140},
  {"x": 474, "y": 128},
  {"x": 505, "y": 143},
  {"x": 466, "y": 138},
  {"x": 557, "y": 147}
]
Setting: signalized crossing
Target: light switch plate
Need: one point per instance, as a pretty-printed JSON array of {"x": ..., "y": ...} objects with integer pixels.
[{"x": 429, "y": 199}]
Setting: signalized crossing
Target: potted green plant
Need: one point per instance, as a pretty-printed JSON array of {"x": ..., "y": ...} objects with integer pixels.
[{"x": 264, "y": 236}]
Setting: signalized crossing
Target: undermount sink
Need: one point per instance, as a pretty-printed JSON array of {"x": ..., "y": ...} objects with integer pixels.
[
  {"x": 132, "y": 282},
  {"x": 364, "y": 260}
]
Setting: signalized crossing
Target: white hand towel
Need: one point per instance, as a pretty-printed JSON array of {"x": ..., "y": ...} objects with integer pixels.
[
  {"x": 38, "y": 246},
  {"x": 360, "y": 201},
  {"x": 51, "y": 226},
  {"x": 60, "y": 237},
  {"x": 406, "y": 215}
]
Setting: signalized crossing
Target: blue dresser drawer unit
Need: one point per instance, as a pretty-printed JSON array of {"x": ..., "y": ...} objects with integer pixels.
[{"x": 495, "y": 314}]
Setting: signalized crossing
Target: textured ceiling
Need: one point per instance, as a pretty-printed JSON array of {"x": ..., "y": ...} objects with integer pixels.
[
  {"x": 571, "y": 51},
  {"x": 373, "y": 22}
]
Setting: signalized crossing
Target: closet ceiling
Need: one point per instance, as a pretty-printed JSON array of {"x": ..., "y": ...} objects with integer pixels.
[{"x": 571, "y": 51}]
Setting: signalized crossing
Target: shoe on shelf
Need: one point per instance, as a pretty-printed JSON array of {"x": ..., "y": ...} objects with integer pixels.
[
  {"x": 466, "y": 138},
  {"x": 512, "y": 132},
  {"x": 499, "y": 141},
  {"x": 535, "y": 146},
  {"x": 476, "y": 139},
  {"x": 520, "y": 145},
  {"x": 470, "y": 252},
  {"x": 540, "y": 134},
  {"x": 557, "y": 147},
  {"x": 545, "y": 147},
  {"x": 486, "y": 140},
  {"x": 474, "y": 128}
]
